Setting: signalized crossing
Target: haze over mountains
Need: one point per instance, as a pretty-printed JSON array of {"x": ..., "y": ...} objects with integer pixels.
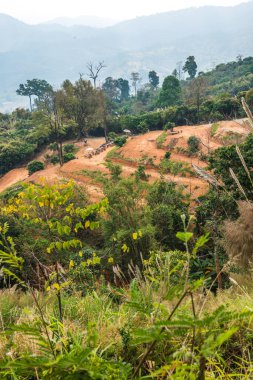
[
  {"x": 93, "y": 21},
  {"x": 55, "y": 52}
]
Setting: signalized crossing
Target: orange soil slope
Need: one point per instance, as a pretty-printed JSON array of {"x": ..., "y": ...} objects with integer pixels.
[{"x": 137, "y": 147}]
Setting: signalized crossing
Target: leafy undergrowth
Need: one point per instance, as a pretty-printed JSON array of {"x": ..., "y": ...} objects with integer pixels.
[
  {"x": 136, "y": 307},
  {"x": 104, "y": 334}
]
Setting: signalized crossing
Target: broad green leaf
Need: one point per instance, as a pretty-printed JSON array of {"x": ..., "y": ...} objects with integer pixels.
[
  {"x": 184, "y": 236},
  {"x": 200, "y": 243}
]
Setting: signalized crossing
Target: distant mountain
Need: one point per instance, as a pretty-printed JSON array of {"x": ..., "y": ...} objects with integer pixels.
[
  {"x": 55, "y": 52},
  {"x": 93, "y": 21}
]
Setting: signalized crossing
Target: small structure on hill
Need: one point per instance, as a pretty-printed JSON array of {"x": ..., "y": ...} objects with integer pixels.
[{"x": 127, "y": 132}]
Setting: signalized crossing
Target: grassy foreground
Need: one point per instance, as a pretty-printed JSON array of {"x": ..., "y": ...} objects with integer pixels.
[{"x": 104, "y": 334}]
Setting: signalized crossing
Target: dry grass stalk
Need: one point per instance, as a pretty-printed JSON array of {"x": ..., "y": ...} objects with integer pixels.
[
  {"x": 244, "y": 164},
  {"x": 238, "y": 237},
  {"x": 248, "y": 112},
  {"x": 238, "y": 183}
]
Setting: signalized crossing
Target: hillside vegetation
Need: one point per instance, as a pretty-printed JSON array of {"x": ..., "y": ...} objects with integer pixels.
[
  {"x": 208, "y": 98},
  {"x": 126, "y": 229},
  {"x": 232, "y": 77},
  {"x": 54, "y": 52},
  {"x": 110, "y": 290}
]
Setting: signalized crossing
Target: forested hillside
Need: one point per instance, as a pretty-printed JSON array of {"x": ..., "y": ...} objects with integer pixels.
[
  {"x": 54, "y": 52},
  {"x": 126, "y": 238},
  {"x": 232, "y": 77},
  {"x": 207, "y": 98}
]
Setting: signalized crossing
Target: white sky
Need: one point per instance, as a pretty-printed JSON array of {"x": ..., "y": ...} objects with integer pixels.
[{"x": 34, "y": 11}]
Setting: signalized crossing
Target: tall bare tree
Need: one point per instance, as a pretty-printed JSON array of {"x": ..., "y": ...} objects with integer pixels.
[
  {"x": 135, "y": 78},
  {"x": 94, "y": 70},
  {"x": 179, "y": 70}
]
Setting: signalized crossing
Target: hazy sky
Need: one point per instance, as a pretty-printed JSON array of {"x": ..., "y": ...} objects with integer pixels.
[{"x": 33, "y": 11}]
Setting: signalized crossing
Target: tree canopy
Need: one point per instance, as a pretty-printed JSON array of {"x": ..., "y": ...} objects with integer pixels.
[
  {"x": 171, "y": 92},
  {"x": 190, "y": 67}
]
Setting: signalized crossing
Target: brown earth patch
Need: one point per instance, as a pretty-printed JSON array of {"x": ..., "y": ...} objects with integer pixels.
[{"x": 142, "y": 147}]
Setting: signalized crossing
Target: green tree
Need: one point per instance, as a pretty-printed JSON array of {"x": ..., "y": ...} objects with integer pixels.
[
  {"x": 167, "y": 203},
  {"x": 146, "y": 94},
  {"x": 123, "y": 86},
  {"x": 83, "y": 104},
  {"x": 190, "y": 66},
  {"x": 153, "y": 79},
  {"x": 171, "y": 92},
  {"x": 227, "y": 106},
  {"x": 34, "y": 87},
  {"x": 49, "y": 212},
  {"x": 51, "y": 116},
  {"x": 223, "y": 159},
  {"x": 195, "y": 92},
  {"x": 110, "y": 88},
  {"x": 127, "y": 229}
]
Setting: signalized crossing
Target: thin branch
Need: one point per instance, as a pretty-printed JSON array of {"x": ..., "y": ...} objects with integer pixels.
[
  {"x": 95, "y": 70},
  {"x": 44, "y": 323},
  {"x": 152, "y": 345}
]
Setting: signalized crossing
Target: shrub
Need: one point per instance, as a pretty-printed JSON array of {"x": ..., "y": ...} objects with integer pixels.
[
  {"x": 140, "y": 173},
  {"x": 112, "y": 136},
  {"x": 115, "y": 170},
  {"x": 53, "y": 146},
  {"x": 146, "y": 160},
  {"x": 13, "y": 152},
  {"x": 120, "y": 141},
  {"x": 175, "y": 168},
  {"x": 167, "y": 155},
  {"x": 54, "y": 159},
  {"x": 68, "y": 157},
  {"x": 193, "y": 144},
  {"x": 35, "y": 166},
  {"x": 214, "y": 128},
  {"x": 69, "y": 148},
  {"x": 169, "y": 126},
  {"x": 142, "y": 127},
  {"x": 161, "y": 139}
]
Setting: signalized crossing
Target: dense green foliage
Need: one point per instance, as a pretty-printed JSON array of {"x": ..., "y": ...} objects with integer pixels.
[
  {"x": 35, "y": 166},
  {"x": 140, "y": 284},
  {"x": 190, "y": 66},
  {"x": 232, "y": 77},
  {"x": 135, "y": 271},
  {"x": 78, "y": 109},
  {"x": 227, "y": 158},
  {"x": 170, "y": 92},
  {"x": 114, "y": 297},
  {"x": 68, "y": 157},
  {"x": 193, "y": 144}
]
